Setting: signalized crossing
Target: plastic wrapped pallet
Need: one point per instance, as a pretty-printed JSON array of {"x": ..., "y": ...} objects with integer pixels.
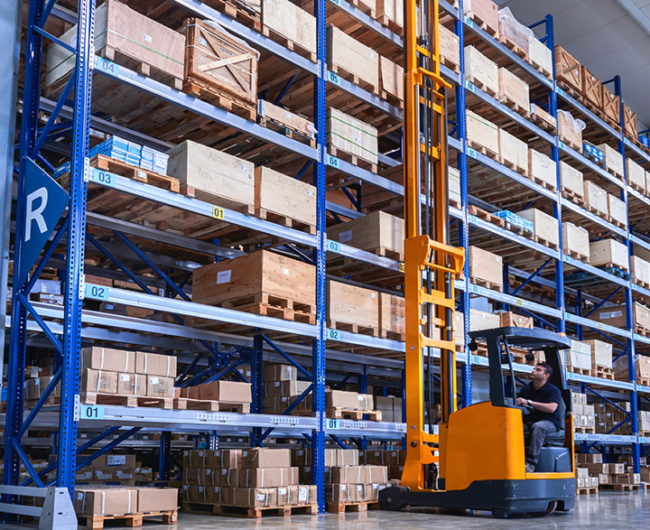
[
  {"x": 635, "y": 175},
  {"x": 572, "y": 181},
  {"x": 610, "y": 253},
  {"x": 513, "y": 32},
  {"x": 596, "y": 199},
  {"x": 351, "y": 135},
  {"x": 602, "y": 353},
  {"x": 570, "y": 129},
  {"x": 575, "y": 241},
  {"x": 481, "y": 71},
  {"x": 579, "y": 355},
  {"x": 617, "y": 210},
  {"x": 613, "y": 159},
  {"x": 544, "y": 225},
  {"x": 482, "y": 133},
  {"x": 513, "y": 90},
  {"x": 543, "y": 168},
  {"x": 640, "y": 270},
  {"x": 513, "y": 152}
]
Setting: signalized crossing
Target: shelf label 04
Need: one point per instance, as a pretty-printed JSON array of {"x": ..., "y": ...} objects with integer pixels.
[
  {"x": 332, "y": 161},
  {"x": 98, "y": 292},
  {"x": 333, "y": 334},
  {"x": 331, "y": 76},
  {"x": 92, "y": 412},
  {"x": 217, "y": 213},
  {"x": 333, "y": 424},
  {"x": 333, "y": 246},
  {"x": 107, "y": 66},
  {"x": 103, "y": 177}
]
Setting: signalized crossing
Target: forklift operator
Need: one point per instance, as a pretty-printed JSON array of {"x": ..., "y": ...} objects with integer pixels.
[{"x": 543, "y": 398}]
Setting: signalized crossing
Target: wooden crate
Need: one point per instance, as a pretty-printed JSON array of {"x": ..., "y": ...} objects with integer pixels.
[
  {"x": 635, "y": 175},
  {"x": 481, "y": 71},
  {"x": 378, "y": 232},
  {"x": 295, "y": 26},
  {"x": 352, "y": 136},
  {"x": 213, "y": 176},
  {"x": 485, "y": 268},
  {"x": 514, "y": 35},
  {"x": 514, "y": 92},
  {"x": 484, "y": 13},
  {"x": 262, "y": 282},
  {"x": 541, "y": 57},
  {"x": 349, "y": 58},
  {"x": 601, "y": 353},
  {"x": 352, "y": 308},
  {"x": 513, "y": 152},
  {"x": 567, "y": 132},
  {"x": 391, "y": 81},
  {"x": 592, "y": 90},
  {"x": 392, "y": 316},
  {"x": 568, "y": 70},
  {"x": 278, "y": 196},
  {"x": 390, "y": 13},
  {"x": 545, "y": 226},
  {"x": 270, "y": 115},
  {"x": 480, "y": 320},
  {"x": 542, "y": 118},
  {"x": 510, "y": 319},
  {"x": 630, "y": 123},
  {"x": 124, "y": 36},
  {"x": 482, "y": 135},
  {"x": 220, "y": 68},
  {"x": 611, "y": 107},
  {"x": 542, "y": 169},
  {"x": 596, "y": 199},
  {"x": 617, "y": 211},
  {"x": 613, "y": 160},
  {"x": 608, "y": 253},
  {"x": 572, "y": 182},
  {"x": 575, "y": 241},
  {"x": 640, "y": 270},
  {"x": 449, "y": 48}
]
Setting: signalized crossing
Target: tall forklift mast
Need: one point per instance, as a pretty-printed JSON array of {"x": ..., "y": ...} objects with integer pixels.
[{"x": 430, "y": 264}]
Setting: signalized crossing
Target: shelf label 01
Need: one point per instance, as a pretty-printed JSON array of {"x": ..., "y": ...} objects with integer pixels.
[
  {"x": 471, "y": 152},
  {"x": 333, "y": 424},
  {"x": 218, "y": 213},
  {"x": 332, "y": 161},
  {"x": 401, "y": 267},
  {"x": 98, "y": 292},
  {"x": 333, "y": 246},
  {"x": 92, "y": 412},
  {"x": 103, "y": 177},
  {"x": 469, "y": 22},
  {"x": 470, "y": 87},
  {"x": 331, "y": 76},
  {"x": 333, "y": 334},
  {"x": 107, "y": 66}
]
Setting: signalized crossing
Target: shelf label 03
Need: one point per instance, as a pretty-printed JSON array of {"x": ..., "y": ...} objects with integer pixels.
[
  {"x": 107, "y": 66},
  {"x": 217, "y": 213},
  {"x": 331, "y": 76},
  {"x": 332, "y": 161},
  {"x": 333, "y": 334},
  {"x": 333, "y": 246},
  {"x": 98, "y": 292},
  {"x": 333, "y": 424},
  {"x": 92, "y": 412},
  {"x": 103, "y": 177}
]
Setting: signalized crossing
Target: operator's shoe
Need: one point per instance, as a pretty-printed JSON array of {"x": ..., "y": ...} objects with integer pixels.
[{"x": 530, "y": 468}]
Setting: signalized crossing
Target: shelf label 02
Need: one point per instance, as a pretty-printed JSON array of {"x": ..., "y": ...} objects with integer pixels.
[
  {"x": 217, "y": 213},
  {"x": 92, "y": 412},
  {"x": 333, "y": 424},
  {"x": 331, "y": 76},
  {"x": 98, "y": 292},
  {"x": 103, "y": 177},
  {"x": 333, "y": 334},
  {"x": 107, "y": 66},
  {"x": 559, "y": 91}
]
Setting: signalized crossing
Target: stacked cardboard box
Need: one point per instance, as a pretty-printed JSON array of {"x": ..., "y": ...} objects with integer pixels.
[
  {"x": 113, "y": 500},
  {"x": 390, "y": 408},
  {"x": 644, "y": 423},
  {"x": 584, "y": 480},
  {"x": 393, "y": 459},
  {"x": 642, "y": 368},
  {"x": 608, "y": 417},
  {"x": 234, "y": 392},
  {"x": 281, "y": 387},
  {"x": 584, "y": 415},
  {"x": 114, "y": 469}
]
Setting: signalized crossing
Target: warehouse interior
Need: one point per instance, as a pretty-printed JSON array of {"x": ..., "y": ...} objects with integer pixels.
[{"x": 325, "y": 263}]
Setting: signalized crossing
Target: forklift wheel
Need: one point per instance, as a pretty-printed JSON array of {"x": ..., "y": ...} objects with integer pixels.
[
  {"x": 500, "y": 514},
  {"x": 551, "y": 508}
]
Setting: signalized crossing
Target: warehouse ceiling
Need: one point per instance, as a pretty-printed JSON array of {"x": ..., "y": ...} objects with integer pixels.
[{"x": 609, "y": 37}]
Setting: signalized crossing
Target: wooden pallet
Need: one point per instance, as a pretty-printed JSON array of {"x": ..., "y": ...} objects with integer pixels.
[
  {"x": 258, "y": 513},
  {"x": 349, "y": 414},
  {"x": 603, "y": 373},
  {"x": 545, "y": 242},
  {"x": 289, "y": 44},
  {"x": 638, "y": 188},
  {"x": 616, "y": 222},
  {"x": 586, "y": 491},
  {"x": 576, "y": 255},
  {"x": 246, "y": 16},
  {"x": 580, "y": 371},
  {"x": 96, "y": 522},
  {"x": 353, "y": 159},
  {"x": 118, "y": 167},
  {"x": 540, "y": 68},
  {"x": 392, "y": 335},
  {"x": 206, "y": 92},
  {"x": 585, "y": 430},
  {"x": 622, "y": 487},
  {"x": 513, "y": 47},
  {"x": 283, "y": 220},
  {"x": 455, "y": 204},
  {"x": 144, "y": 69},
  {"x": 570, "y": 90},
  {"x": 481, "y": 23},
  {"x": 486, "y": 216},
  {"x": 387, "y": 22},
  {"x": 93, "y": 398},
  {"x": 642, "y": 284},
  {"x": 450, "y": 64},
  {"x": 211, "y": 406},
  {"x": 573, "y": 145},
  {"x": 484, "y": 283},
  {"x": 353, "y": 78},
  {"x": 354, "y": 328},
  {"x": 342, "y": 507},
  {"x": 483, "y": 150},
  {"x": 285, "y": 129},
  {"x": 570, "y": 195},
  {"x": 478, "y": 83},
  {"x": 596, "y": 212},
  {"x": 543, "y": 183},
  {"x": 511, "y": 165},
  {"x": 365, "y": 8}
]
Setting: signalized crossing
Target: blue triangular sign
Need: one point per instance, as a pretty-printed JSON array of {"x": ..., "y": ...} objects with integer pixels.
[{"x": 45, "y": 201}]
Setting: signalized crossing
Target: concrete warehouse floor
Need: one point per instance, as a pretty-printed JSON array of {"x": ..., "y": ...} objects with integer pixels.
[{"x": 605, "y": 511}]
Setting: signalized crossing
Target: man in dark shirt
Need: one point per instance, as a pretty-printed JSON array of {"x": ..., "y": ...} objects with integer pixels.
[{"x": 544, "y": 399}]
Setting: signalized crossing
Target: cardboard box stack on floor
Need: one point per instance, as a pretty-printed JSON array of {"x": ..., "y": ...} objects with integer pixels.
[
  {"x": 644, "y": 474},
  {"x": 607, "y": 474},
  {"x": 584, "y": 415},
  {"x": 393, "y": 459},
  {"x": 116, "y": 500},
  {"x": 249, "y": 478},
  {"x": 282, "y": 388}
]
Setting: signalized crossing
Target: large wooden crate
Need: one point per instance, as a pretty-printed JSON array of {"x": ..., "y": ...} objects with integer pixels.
[
  {"x": 630, "y": 123},
  {"x": 484, "y": 13},
  {"x": 575, "y": 241},
  {"x": 278, "y": 196},
  {"x": 378, "y": 232},
  {"x": 596, "y": 199},
  {"x": 567, "y": 70},
  {"x": 513, "y": 152},
  {"x": 482, "y": 134},
  {"x": 213, "y": 176},
  {"x": 352, "y": 136},
  {"x": 481, "y": 71},
  {"x": 514, "y": 91},
  {"x": 640, "y": 270},
  {"x": 219, "y": 67},
  {"x": 544, "y": 226},
  {"x": 485, "y": 268},
  {"x": 611, "y": 107},
  {"x": 392, "y": 316},
  {"x": 609, "y": 253},
  {"x": 617, "y": 211},
  {"x": 449, "y": 48},
  {"x": 567, "y": 129},
  {"x": 613, "y": 160},
  {"x": 352, "y": 308},
  {"x": 295, "y": 25},
  {"x": 273, "y": 116},
  {"x": 349, "y": 58},
  {"x": 454, "y": 188},
  {"x": 390, "y": 13},
  {"x": 635, "y": 175},
  {"x": 262, "y": 282},
  {"x": 391, "y": 81},
  {"x": 592, "y": 90},
  {"x": 542, "y": 169},
  {"x": 124, "y": 36},
  {"x": 572, "y": 182},
  {"x": 541, "y": 57}
]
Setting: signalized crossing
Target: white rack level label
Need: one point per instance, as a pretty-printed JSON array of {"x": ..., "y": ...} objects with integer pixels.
[
  {"x": 107, "y": 66},
  {"x": 332, "y": 161},
  {"x": 331, "y": 76},
  {"x": 333, "y": 334},
  {"x": 470, "y": 86},
  {"x": 92, "y": 412},
  {"x": 333, "y": 246},
  {"x": 103, "y": 177},
  {"x": 98, "y": 292},
  {"x": 333, "y": 424}
]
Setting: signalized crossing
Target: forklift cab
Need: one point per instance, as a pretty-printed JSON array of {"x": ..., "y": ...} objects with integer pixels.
[{"x": 556, "y": 455}]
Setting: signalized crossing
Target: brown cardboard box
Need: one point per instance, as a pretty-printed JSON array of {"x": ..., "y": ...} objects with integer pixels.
[
  {"x": 230, "y": 478},
  {"x": 486, "y": 266},
  {"x": 377, "y": 474},
  {"x": 508, "y": 318},
  {"x": 157, "y": 499},
  {"x": 226, "y": 458},
  {"x": 280, "y": 372},
  {"x": 201, "y": 494},
  {"x": 340, "y": 493},
  {"x": 266, "y": 458},
  {"x": 221, "y": 495},
  {"x": 99, "y": 381},
  {"x": 108, "y": 359},
  {"x": 103, "y": 473},
  {"x": 255, "y": 497},
  {"x": 161, "y": 387},
  {"x": 155, "y": 364},
  {"x": 349, "y": 475},
  {"x": 348, "y": 400},
  {"x": 333, "y": 457},
  {"x": 105, "y": 501},
  {"x": 127, "y": 461},
  {"x": 229, "y": 391},
  {"x": 284, "y": 496},
  {"x": 595, "y": 458},
  {"x": 132, "y": 384},
  {"x": 269, "y": 477}
]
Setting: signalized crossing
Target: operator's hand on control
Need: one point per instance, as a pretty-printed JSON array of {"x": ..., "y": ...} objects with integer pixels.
[{"x": 522, "y": 402}]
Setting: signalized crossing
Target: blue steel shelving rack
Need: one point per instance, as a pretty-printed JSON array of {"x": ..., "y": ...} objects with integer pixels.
[{"x": 316, "y": 357}]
